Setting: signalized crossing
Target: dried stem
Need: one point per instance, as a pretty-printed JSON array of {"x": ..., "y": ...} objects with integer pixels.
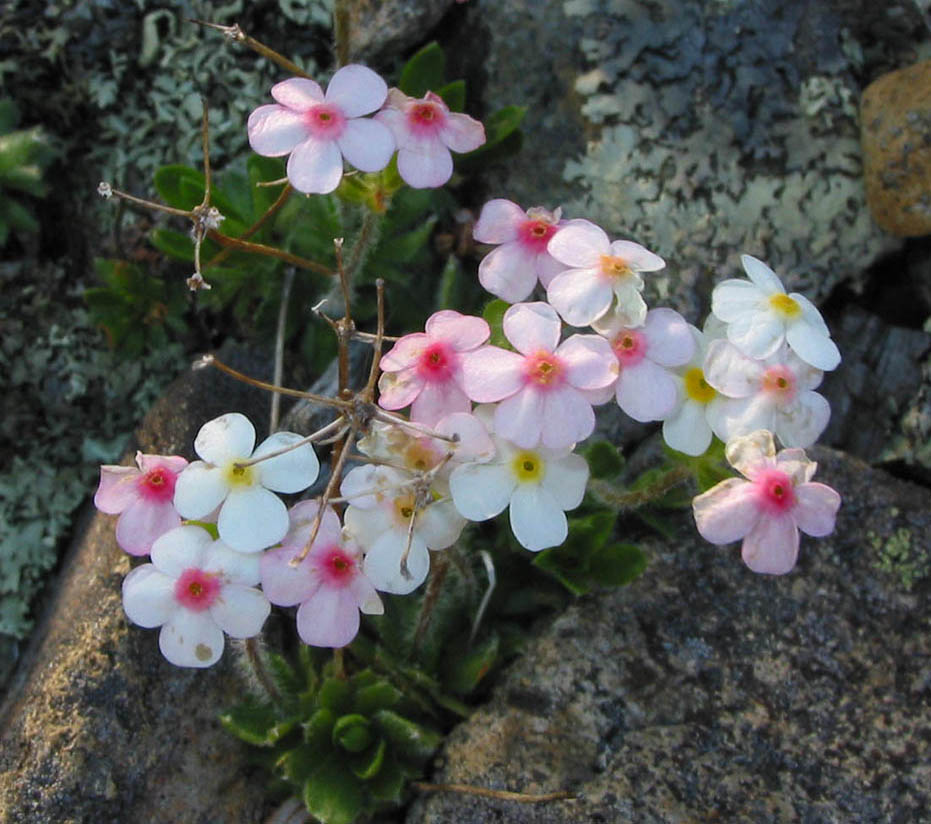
[
  {"x": 258, "y": 667},
  {"x": 492, "y": 580},
  {"x": 434, "y": 587},
  {"x": 151, "y": 204},
  {"x": 369, "y": 392},
  {"x": 485, "y": 792},
  {"x": 269, "y": 251},
  {"x": 236, "y": 33},
  {"x": 223, "y": 254},
  {"x": 315, "y": 436},
  {"x": 279, "y": 348},
  {"x": 341, "y": 28}
]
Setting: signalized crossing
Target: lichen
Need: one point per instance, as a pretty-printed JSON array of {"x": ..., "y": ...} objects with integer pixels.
[{"x": 898, "y": 555}]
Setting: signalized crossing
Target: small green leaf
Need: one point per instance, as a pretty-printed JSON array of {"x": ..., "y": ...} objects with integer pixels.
[
  {"x": 335, "y": 694},
  {"x": 256, "y": 724},
  {"x": 318, "y": 729},
  {"x": 470, "y": 668},
  {"x": 409, "y": 739},
  {"x": 297, "y": 764},
  {"x": 351, "y": 732},
  {"x": 379, "y": 696},
  {"x": 494, "y": 315},
  {"x": 286, "y": 679},
  {"x": 207, "y": 527},
  {"x": 179, "y": 186},
  {"x": 454, "y": 95},
  {"x": 617, "y": 564},
  {"x": 175, "y": 244},
  {"x": 424, "y": 71},
  {"x": 366, "y": 765},
  {"x": 604, "y": 460},
  {"x": 333, "y": 794},
  {"x": 388, "y": 785}
]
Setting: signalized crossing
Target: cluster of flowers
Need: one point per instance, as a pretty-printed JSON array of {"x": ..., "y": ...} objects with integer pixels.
[
  {"x": 318, "y": 130},
  {"x": 490, "y": 428}
]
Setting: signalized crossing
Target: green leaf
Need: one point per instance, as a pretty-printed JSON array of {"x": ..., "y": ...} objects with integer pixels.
[
  {"x": 617, "y": 564},
  {"x": 366, "y": 765},
  {"x": 470, "y": 668},
  {"x": 179, "y": 186},
  {"x": 177, "y": 245},
  {"x": 335, "y": 694},
  {"x": 388, "y": 785},
  {"x": 256, "y": 724},
  {"x": 297, "y": 764},
  {"x": 379, "y": 696},
  {"x": 454, "y": 95},
  {"x": 284, "y": 676},
  {"x": 424, "y": 71},
  {"x": 333, "y": 794},
  {"x": 207, "y": 527},
  {"x": 318, "y": 729},
  {"x": 604, "y": 460},
  {"x": 411, "y": 740},
  {"x": 494, "y": 315},
  {"x": 351, "y": 732},
  {"x": 9, "y": 116}
]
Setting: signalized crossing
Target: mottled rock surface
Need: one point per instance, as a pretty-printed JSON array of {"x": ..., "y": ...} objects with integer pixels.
[
  {"x": 700, "y": 129},
  {"x": 895, "y": 115},
  {"x": 704, "y": 692},
  {"x": 97, "y": 727},
  {"x": 380, "y": 29}
]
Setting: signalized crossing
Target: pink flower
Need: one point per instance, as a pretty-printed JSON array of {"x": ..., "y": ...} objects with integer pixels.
[
  {"x": 511, "y": 271},
  {"x": 319, "y": 130},
  {"x": 769, "y": 508},
  {"x": 425, "y": 131},
  {"x": 143, "y": 498},
  {"x": 542, "y": 386},
  {"x": 425, "y": 369},
  {"x": 646, "y": 390},
  {"x": 600, "y": 270},
  {"x": 328, "y": 584}
]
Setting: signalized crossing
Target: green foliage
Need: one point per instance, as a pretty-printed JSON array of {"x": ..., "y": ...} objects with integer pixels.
[
  {"x": 24, "y": 156},
  {"x": 345, "y": 746},
  {"x": 708, "y": 469},
  {"x": 493, "y": 313},
  {"x": 424, "y": 72},
  {"x": 604, "y": 460}
]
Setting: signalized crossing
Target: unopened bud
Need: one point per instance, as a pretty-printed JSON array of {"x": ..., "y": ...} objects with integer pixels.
[
  {"x": 105, "y": 190},
  {"x": 196, "y": 282}
]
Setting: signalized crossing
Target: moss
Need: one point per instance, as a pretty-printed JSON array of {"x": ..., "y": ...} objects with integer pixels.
[{"x": 900, "y": 556}]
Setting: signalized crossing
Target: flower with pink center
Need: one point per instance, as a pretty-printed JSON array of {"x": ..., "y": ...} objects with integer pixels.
[
  {"x": 542, "y": 386},
  {"x": 195, "y": 589},
  {"x": 512, "y": 270},
  {"x": 425, "y": 131},
  {"x": 646, "y": 387},
  {"x": 775, "y": 394},
  {"x": 328, "y": 584},
  {"x": 318, "y": 130},
  {"x": 766, "y": 510},
  {"x": 598, "y": 271},
  {"x": 143, "y": 498},
  {"x": 425, "y": 368}
]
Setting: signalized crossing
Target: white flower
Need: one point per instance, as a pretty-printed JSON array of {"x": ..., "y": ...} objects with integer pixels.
[
  {"x": 195, "y": 589},
  {"x": 761, "y": 316},
  {"x": 251, "y": 517},
  {"x": 537, "y": 485}
]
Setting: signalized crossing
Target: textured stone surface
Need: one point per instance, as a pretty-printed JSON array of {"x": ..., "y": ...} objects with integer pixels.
[
  {"x": 700, "y": 129},
  {"x": 704, "y": 692},
  {"x": 380, "y": 29},
  {"x": 895, "y": 116},
  {"x": 97, "y": 727}
]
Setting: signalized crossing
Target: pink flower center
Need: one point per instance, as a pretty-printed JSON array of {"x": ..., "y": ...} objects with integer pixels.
[
  {"x": 775, "y": 493},
  {"x": 535, "y": 234},
  {"x": 157, "y": 484},
  {"x": 325, "y": 122},
  {"x": 437, "y": 362},
  {"x": 630, "y": 347},
  {"x": 425, "y": 118},
  {"x": 337, "y": 568},
  {"x": 544, "y": 370},
  {"x": 196, "y": 590},
  {"x": 779, "y": 382}
]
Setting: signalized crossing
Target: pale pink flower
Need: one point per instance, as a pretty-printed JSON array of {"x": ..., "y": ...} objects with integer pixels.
[
  {"x": 318, "y": 130},
  {"x": 143, "y": 497},
  {"x": 328, "y": 584},
  {"x": 769, "y": 508},
  {"x": 600, "y": 270},
  {"x": 760, "y": 316},
  {"x": 425, "y": 131},
  {"x": 425, "y": 368},
  {"x": 776, "y": 393},
  {"x": 195, "y": 589},
  {"x": 542, "y": 386},
  {"x": 512, "y": 270},
  {"x": 646, "y": 388}
]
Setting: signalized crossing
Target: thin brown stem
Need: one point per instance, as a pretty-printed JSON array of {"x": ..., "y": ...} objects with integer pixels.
[
  {"x": 223, "y": 254},
  {"x": 341, "y": 29},
  {"x": 369, "y": 392},
  {"x": 205, "y": 140},
  {"x": 279, "y": 348},
  {"x": 236, "y": 33},
  {"x": 437, "y": 577},
  {"x": 258, "y": 667},
  {"x": 485, "y": 792},
  {"x": 151, "y": 204},
  {"x": 269, "y": 251},
  {"x": 314, "y": 436}
]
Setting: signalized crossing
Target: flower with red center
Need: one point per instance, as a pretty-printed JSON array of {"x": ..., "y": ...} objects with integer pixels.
[
  {"x": 425, "y": 368},
  {"x": 775, "y": 394},
  {"x": 766, "y": 510},
  {"x": 143, "y": 498},
  {"x": 328, "y": 583},
  {"x": 598, "y": 271},
  {"x": 543, "y": 386},
  {"x": 195, "y": 589},
  {"x": 425, "y": 131},
  {"x": 512, "y": 270},
  {"x": 318, "y": 130},
  {"x": 646, "y": 355}
]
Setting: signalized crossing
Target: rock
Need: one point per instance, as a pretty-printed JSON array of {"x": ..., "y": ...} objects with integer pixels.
[
  {"x": 895, "y": 114},
  {"x": 379, "y": 29},
  {"x": 706, "y": 692},
  {"x": 98, "y": 728},
  {"x": 699, "y": 129}
]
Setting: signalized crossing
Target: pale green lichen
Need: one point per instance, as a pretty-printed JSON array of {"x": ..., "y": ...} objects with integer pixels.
[{"x": 899, "y": 555}]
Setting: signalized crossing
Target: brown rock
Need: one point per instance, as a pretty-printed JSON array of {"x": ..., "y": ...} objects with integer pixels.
[{"x": 895, "y": 117}]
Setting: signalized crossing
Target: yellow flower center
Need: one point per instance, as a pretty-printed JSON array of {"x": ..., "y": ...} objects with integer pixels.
[
  {"x": 696, "y": 387},
  {"x": 527, "y": 466},
  {"x": 404, "y": 508},
  {"x": 239, "y": 476},
  {"x": 614, "y": 267},
  {"x": 785, "y": 306}
]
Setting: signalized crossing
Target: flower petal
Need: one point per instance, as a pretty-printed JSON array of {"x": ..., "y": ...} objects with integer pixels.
[
  {"x": 145, "y": 521},
  {"x": 365, "y": 596},
  {"x": 688, "y": 430},
  {"x": 275, "y": 131},
  {"x": 225, "y": 438},
  {"x": 329, "y": 618},
  {"x": 567, "y": 418},
  {"x": 771, "y": 547},
  {"x": 733, "y": 298},
  {"x": 118, "y": 489},
  {"x": 439, "y": 525},
  {"x": 519, "y": 418},
  {"x": 761, "y": 275},
  {"x": 726, "y": 512},
  {"x": 291, "y": 472},
  {"x": 646, "y": 392},
  {"x": 670, "y": 341},
  {"x": 252, "y": 519},
  {"x": 461, "y": 132},
  {"x": 367, "y": 144},
  {"x": 436, "y": 401},
  {"x": 590, "y": 363},
  {"x": 234, "y": 567},
  {"x": 580, "y": 295},
  {"x": 315, "y": 166},
  {"x": 509, "y": 272},
  {"x": 757, "y": 334},
  {"x": 180, "y": 549},
  {"x": 427, "y": 166},
  {"x": 579, "y": 244},
  {"x": 462, "y": 332},
  {"x": 191, "y": 639},
  {"x": 565, "y": 479},
  {"x": 815, "y": 509},
  {"x": 639, "y": 258},
  {"x": 298, "y": 93},
  {"x": 382, "y": 564},
  {"x": 199, "y": 490},
  {"x": 498, "y": 222},
  {"x": 802, "y": 423},
  {"x": 356, "y": 90},
  {"x": 751, "y": 453},
  {"x": 536, "y": 520},
  {"x": 531, "y": 327},
  {"x": 731, "y": 372},
  {"x": 149, "y": 596},
  {"x": 240, "y": 611},
  {"x": 492, "y": 373},
  {"x": 812, "y": 346},
  {"x": 481, "y": 491}
]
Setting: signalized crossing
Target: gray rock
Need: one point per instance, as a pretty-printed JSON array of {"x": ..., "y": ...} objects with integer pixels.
[
  {"x": 379, "y": 29},
  {"x": 97, "y": 727},
  {"x": 705, "y": 692}
]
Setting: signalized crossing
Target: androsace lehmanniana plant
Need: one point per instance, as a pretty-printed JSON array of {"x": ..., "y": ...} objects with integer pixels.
[{"x": 489, "y": 428}]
